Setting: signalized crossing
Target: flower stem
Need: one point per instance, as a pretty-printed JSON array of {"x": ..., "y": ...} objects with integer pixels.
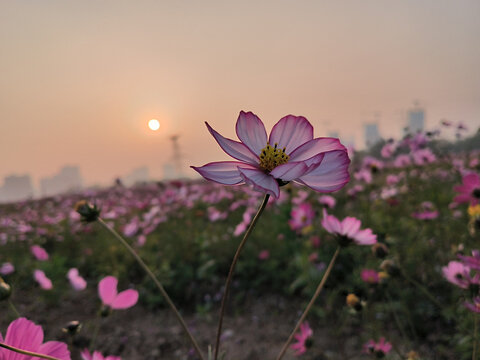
[
  {"x": 25, "y": 352},
  {"x": 96, "y": 330},
  {"x": 422, "y": 289},
  {"x": 157, "y": 283},
  {"x": 232, "y": 268},
  {"x": 310, "y": 304},
  {"x": 14, "y": 309}
]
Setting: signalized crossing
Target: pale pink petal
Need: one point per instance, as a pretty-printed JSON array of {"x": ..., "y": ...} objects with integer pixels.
[
  {"x": 233, "y": 148},
  {"x": 97, "y": 355},
  {"x": 365, "y": 237},
  {"x": 125, "y": 299},
  {"x": 39, "y": 253},
  {"x": 107, "y": 289},
  {"x": 331, "y": 175},
  {"x": 314, "y": 147},
  {"x": 350, "y": 226},
  {"x": 289, "y": 171},
  {"x": 44, "y": 282},
  {"x": 251, "y": 131},
  {"x": 55, "y": 349},
  {"x": 291, "y": 132},
  {"x": 85, "y": 354},
  {"x": 331, "y": 223},
  {"x": 223, "y": 172},
  {"x": 23, "y": 334},
  {"x": 260, "y": 181}
]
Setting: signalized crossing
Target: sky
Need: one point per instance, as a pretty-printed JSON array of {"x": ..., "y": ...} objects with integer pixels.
[{"x": 80, "y": 79}]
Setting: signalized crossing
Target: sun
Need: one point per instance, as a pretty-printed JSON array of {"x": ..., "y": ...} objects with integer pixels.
[{"x": 154, "y": 124}]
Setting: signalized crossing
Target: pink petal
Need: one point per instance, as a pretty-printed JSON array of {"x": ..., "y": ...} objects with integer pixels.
[
  {"x": 291, "y": 132},
  {"x": 251, "y": 131},
  {"x": 331, "y": 223},
  {"x": 331, "y": 175},
  {"x": 23, "y": 334},
  {"x": 365, "y": 237},
  {"x": 107, "y": 289},
  {"x": 350, "y": 226},
  {"x": 233, "y": 148},
  {"x": 223, "y": 172},
  {"x": 125, "y": 299},
  {"x": 85, "y": 354},
  {"x": 55, "y": 349},
  {"x": 260, "y": 181},
  {"x": 289, "y": 171},
  {"x": 314, "y": 147}
]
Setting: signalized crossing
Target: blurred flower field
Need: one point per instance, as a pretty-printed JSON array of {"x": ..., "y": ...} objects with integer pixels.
[{"x": 398, "y": 298}]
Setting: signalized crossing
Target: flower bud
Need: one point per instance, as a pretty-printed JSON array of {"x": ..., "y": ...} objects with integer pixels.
[
  {"x": 72, "y": 328},
  {"x": 5, "y": 290},
  {"x": 390, "y": 267},
  {"x": 380, "y": 250},
  {"x": 88, "y": 212}
]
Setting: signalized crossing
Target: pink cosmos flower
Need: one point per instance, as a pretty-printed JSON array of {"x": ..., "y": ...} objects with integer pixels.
[
  {"x": 24, "y": 334},
  {"x": 77, "y": 282},
  {"x": 469, "y": 191},
  {"x": 459, "y": 274},
  {"x": 7, "y": 268},
  {"x": 289, "y": 154},
  {"x": 42, "y": 280},
  {"x": 263, "y": 255},
  {"x": 475, "y": 306},
  {"x": 370, "y": 276},
  {"x": 107, "y": 290},
  {"x": 379, "y": 349},
  {"x": 39, "y": 253},
  {"x": 348, "y": 230},
  {"x": 303, "y": 339},
  {"x": 327, "y": 200},
  {"x": 472, "y": 261},
  {"x": 301, "y": 216},
  {"x": 97, "y": 356}
]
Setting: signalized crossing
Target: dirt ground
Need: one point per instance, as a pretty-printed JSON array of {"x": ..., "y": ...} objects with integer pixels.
[{"x": 256, "y": 333}]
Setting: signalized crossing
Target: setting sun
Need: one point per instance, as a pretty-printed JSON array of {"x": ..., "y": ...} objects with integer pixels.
[{"x": 154, "y": 124}]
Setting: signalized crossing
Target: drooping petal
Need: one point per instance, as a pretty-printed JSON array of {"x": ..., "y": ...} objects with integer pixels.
[
  {"x": 331, "y": 175},
  {"x": 223, "y": 172},
  {"x": 260, "y": 181},
  {"x": 23, "y": 334},
  {"x": 350, "y": 226},
  {"x": 234, "y": 148},
  {"x": 251, "y": 131},
  {"x": 55, "y": 349},
  {"x": 314, "y": 147},
  {"x": 289, "y": 171},
  {"x": 125, "y": 299},
  {"x": 291, "y": 132},
  {"x": 107, "y": 289}
]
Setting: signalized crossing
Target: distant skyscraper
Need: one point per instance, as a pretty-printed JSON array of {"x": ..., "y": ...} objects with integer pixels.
[
  {"x": 16, "y": 188},
  {"x": 416, "y": 119},
  {"x": 372, "y": 136},
  {"x": 68, "y": 179}
]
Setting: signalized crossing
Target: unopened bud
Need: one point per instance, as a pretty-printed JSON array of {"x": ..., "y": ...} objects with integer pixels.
[
  {"x": 88, "y": 212},
  {"x": 72, "y": 328},
  {"x": 354, "y": 302},
  {"x": 380, "y": 250},
  {"x": 5, "y": 290},
  {"x": 390, "y": 268}
]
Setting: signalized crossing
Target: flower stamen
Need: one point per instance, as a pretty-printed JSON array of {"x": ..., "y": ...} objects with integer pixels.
[{"x": 271, "y": 157}]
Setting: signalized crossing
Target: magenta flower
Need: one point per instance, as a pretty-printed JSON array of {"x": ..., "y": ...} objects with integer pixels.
[
  {"x": 303, "y": 339},
  {"x": 39, "y": 253},
  {"x": 475, "y": 307},
  {"x": 107, "y": 290},
  {"x": 469, "y": 191},
  {"x": 289, "y": 154},
  {"x": 348, "y": 230},
  {"x": 370, "y": 276},
  {"x": 301, "y": 216},
  {"x": 6, "y": 268},
  {"x": 379, "y": 349},
  {"x": 42, "y": 280},
  {"x": 77, "y": 282},
  {"x": 97, "y": 356},
  {"x": 327, "y": 200},
  {"x": 459, "y": 274},
  {"x": 24, "y": 334},
  {"x": 471, "y": 261}
]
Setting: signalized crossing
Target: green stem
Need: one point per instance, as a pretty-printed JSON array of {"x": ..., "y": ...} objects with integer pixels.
[
  {"x": 422, "y": 289},
  {"x": 96, "y": 330},
  {"x": 157, "y": 283},
  {"x": 14, "y": 309},
  {"x": 25, "y": 352},
  {"x": 310, "y": 304},
  {"x": 232, "y": 268}
]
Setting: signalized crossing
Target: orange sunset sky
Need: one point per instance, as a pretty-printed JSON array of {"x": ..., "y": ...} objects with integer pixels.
[{"x": 80, "y": 79}]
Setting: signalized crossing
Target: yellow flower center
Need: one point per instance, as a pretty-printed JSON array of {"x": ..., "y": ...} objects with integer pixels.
[
  {"x": 272, "y": 156},
  {"x": 474, "y": 211}
]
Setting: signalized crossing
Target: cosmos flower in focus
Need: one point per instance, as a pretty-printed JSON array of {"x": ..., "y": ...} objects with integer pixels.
[
  {"x": 304, "y": 340},
  {"x": 25, "y": 335},
  {"x": 348, "y": 230},
  {"x": 290, "y": 153}
]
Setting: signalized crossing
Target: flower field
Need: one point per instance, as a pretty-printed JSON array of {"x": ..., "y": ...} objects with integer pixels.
[{"x": 403, "y": 283}]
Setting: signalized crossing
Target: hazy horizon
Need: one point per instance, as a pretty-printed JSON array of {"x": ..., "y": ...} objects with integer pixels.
[{"x": 80, "y": 80}]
